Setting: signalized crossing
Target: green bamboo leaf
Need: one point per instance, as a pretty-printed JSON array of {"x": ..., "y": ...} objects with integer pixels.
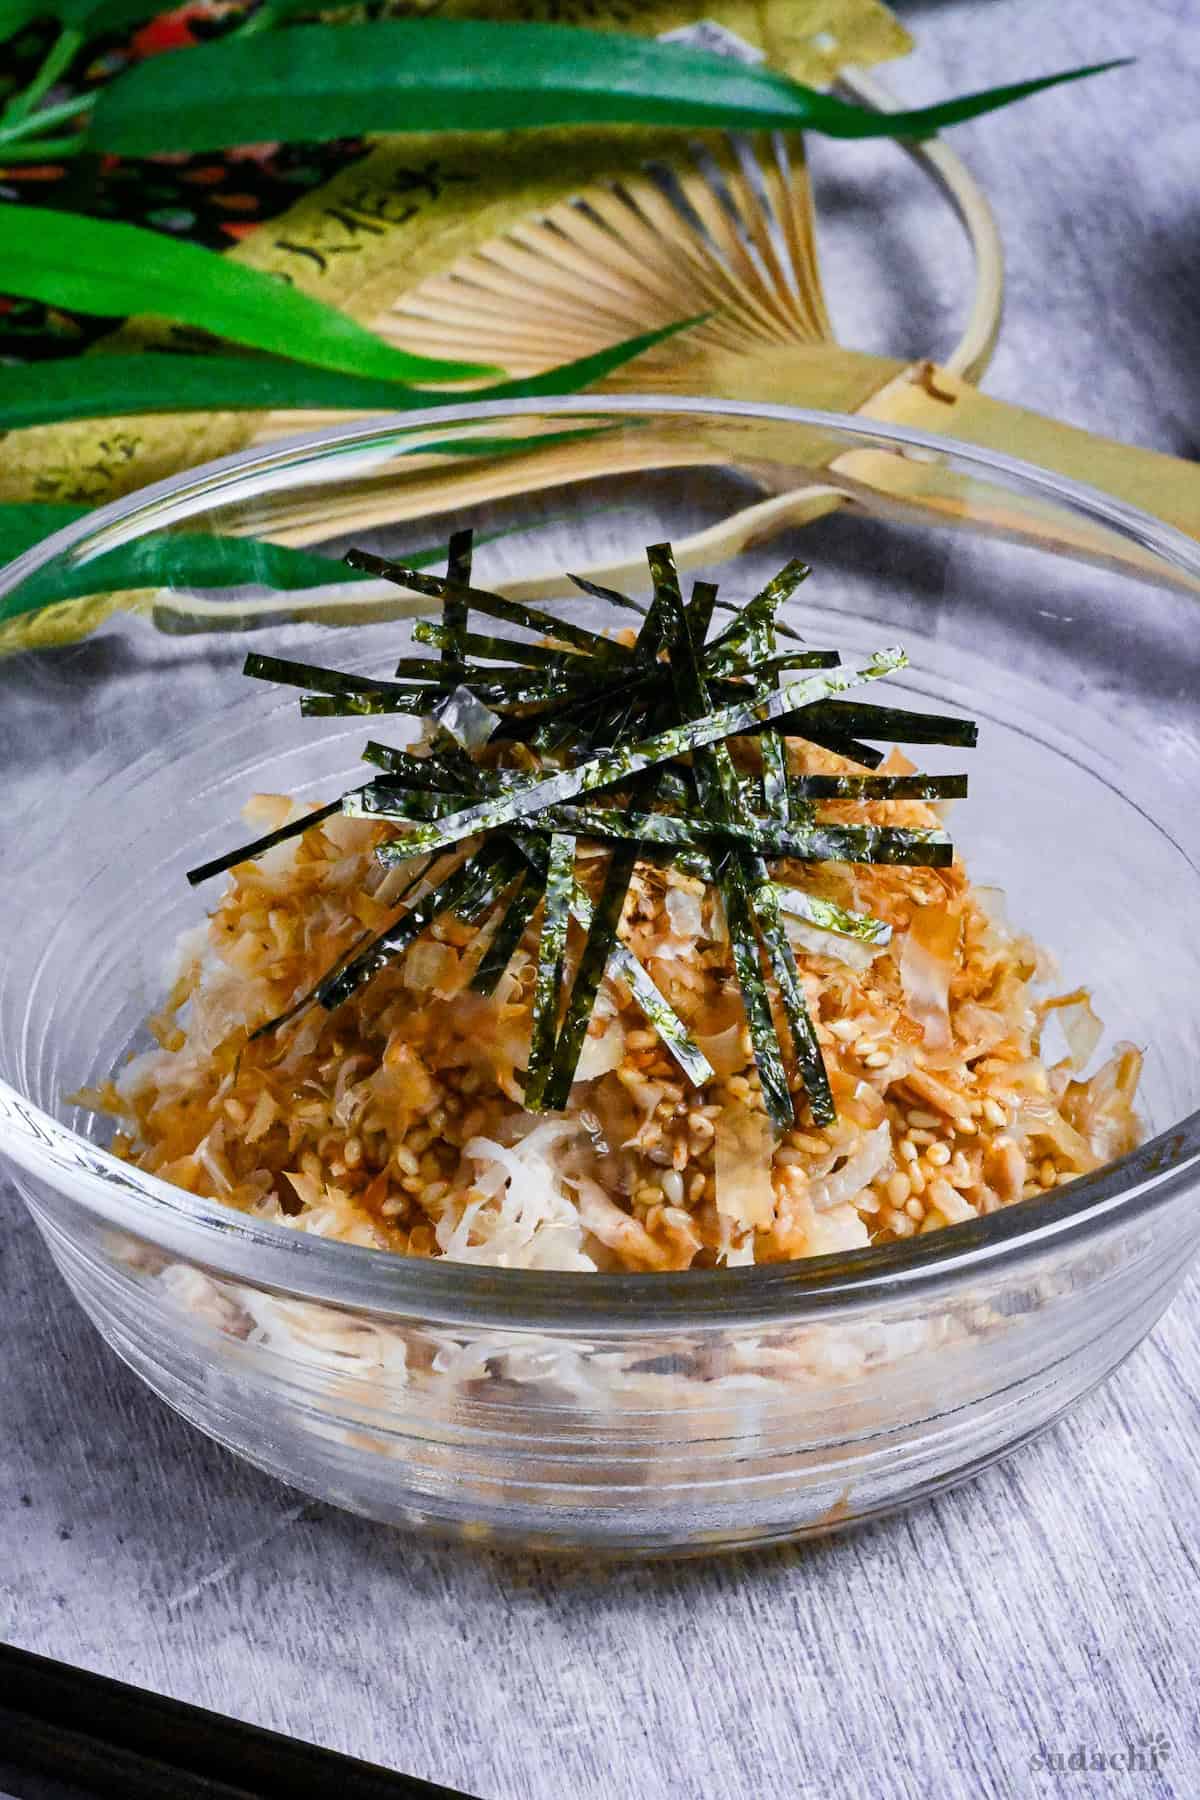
[
  {"x": 15, "y": 15},
  {"x": 101, "y": 266},
  {"x": 180, "y": 563},
  {"x": 321, "y": 81},
  {"x": 183, "y": 560},
  {"x": 92, "y": 17},
  {"x": 86, "y": 18},
  {"x": 21, "y": 527},
  {"x": 101, "y": 387},
  {"x": 180, "y": 560}
]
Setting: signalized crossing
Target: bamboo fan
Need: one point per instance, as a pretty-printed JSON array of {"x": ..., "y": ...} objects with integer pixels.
[{"x": 724, "y": 227}]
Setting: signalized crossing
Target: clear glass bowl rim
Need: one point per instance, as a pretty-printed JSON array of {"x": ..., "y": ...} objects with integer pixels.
[{"x": 380, "y": 1282}]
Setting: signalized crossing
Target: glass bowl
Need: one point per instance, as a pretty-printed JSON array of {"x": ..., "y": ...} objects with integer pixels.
[{"x": 634, "y": 1414}]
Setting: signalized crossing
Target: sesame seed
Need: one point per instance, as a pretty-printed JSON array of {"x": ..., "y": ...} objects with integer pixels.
[{"x": 938, "y": 1154}]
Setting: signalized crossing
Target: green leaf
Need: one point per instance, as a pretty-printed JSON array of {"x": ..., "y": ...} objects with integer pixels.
[
  {"x": 104, "y": 386},
  {"x": 92, "y": 17},
  {"x": 88, "y": 18},
  {"x": 15, "y": 15},
  {"x": 181, "y": 560},
  {"x": 321, "y": 81},
  {"x": 21, "y": 527},
  {"x": 102, "y": 266}
]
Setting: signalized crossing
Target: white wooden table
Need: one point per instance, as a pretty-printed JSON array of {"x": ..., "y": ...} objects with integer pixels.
[{"x": 1049, "y": 1608}]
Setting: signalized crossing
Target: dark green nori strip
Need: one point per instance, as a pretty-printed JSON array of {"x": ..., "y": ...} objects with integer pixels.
[
  {"x": 716, "y": 784},
  {"x": 418, "y": 703},
  {"x": 248, "y": 852},
  {"x": 602, "y": 936},
  {"x": 312, "y": 676},
  {"x": 751, "y": 636},
  {"x": 417, "y": 771},
  {"x": 458, "y": 889},
  {"x": 764, "y": 900},
  {"x": 700, "y": 610},
  {"x": 759, "y": 836},
  {"x": 786, "y": 661},
  {"x": 494, "y": 605},
  {"x": 877, "y": 787},
  {"x": 505, "y": 650},
  {"x": 864, "y": 754},
  {"x": 749, "y": 898},
  {"x": 613, "y": 597},
  {"x": 454, "y": 607},
  {"x": 775, "y": 789},
  {"x": 888, "y": 724},
  {"x": 552, "y": 945},
  {"x": 734, "y": 889},
  {"x": 585, "y": 702},
  {"x": 383, "y": 800},
  {"x": 508, "y": 935},
  {"x": 613, "y": 767},
  {"x": 509, "y": 864},
  {"x": 348, "y": 956}
]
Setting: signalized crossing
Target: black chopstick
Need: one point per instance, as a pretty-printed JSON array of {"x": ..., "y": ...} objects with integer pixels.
[{"x": 66, "y": 1734}]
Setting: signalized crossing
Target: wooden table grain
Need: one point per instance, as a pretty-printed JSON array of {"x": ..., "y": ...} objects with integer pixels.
[{"x": 1049, "y": 1609}]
